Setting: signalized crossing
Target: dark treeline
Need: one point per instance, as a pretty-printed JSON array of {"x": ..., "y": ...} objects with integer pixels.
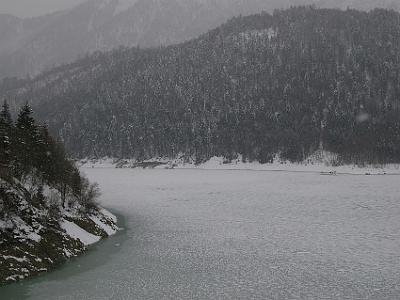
[
  {"x": 31, "y": 158},
  {"x": 290, "y": 83}
]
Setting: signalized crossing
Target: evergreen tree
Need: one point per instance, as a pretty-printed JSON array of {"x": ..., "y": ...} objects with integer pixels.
[
  {"x": 27, "y": 141},
  {"x": 6, "y": 135},
  {"x": 33, "y": 157},
  {"x": 46, "y": 160}
]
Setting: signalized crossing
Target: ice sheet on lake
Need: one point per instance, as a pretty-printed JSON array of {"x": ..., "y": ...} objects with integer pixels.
[{"x": 218, "y": 234}]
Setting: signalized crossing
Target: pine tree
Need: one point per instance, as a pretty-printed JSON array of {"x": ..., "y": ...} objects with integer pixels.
[
  {"x": 27, "y": 142},
  {"x": 29, "y": 154},
  {"x": 5, "y": 115},
  {"x": 46, "y": 155},
  {"x": 6, "y": 135}
]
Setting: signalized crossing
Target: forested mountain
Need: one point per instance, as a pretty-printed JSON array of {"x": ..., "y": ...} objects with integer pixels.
[
  {"x": 28, "y": 46},
  {"x": 290, "y": 83}
]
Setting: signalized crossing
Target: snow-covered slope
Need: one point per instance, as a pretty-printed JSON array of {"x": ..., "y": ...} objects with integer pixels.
[{"x": 34, "y": 239}]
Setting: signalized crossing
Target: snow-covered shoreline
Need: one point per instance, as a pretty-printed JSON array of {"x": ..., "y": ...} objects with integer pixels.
[
  {"x": 104, "y": 221},
  {"x": 312, "y": 165},
  {"x": 29, "y": 248}
]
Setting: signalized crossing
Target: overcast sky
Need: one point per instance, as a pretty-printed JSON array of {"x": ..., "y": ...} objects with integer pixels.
[{"x": 30, "y": 8}]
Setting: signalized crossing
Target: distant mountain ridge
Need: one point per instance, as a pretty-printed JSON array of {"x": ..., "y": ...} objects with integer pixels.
[
  {"x": 359, "y": 4},
  {"x": 29, "y": 46}
]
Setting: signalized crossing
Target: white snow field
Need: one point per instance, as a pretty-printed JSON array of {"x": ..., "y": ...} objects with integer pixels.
[
  {"x": 77, "y": 232},
  {"x": 226, "y": 234}
]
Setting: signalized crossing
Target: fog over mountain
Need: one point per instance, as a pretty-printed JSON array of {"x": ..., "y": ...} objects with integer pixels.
[
  {"x": 34, "y": 8},
  {"x": 29, "y": 46}
]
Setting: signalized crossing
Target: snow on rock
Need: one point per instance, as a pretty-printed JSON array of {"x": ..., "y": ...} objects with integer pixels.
[
  {"x": 109, "y": 215},
  {"x": 107, "y": 228},
  {"x": 4, "y": 225},
  {"x": 102, "y": 218},
  {"x": 34, "y": 237},
  {"x": 14, "y": 277},
  {"x": 77, "y": 232},
  {"x": 18, "y": 259},
  {"x": 25, "y": 231}
]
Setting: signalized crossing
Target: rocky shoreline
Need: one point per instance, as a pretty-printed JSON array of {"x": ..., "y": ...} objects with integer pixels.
[{"x": 29, "y": 248}]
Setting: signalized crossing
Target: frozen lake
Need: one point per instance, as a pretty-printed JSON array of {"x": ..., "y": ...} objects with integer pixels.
[{"x": 197, "y": 234}]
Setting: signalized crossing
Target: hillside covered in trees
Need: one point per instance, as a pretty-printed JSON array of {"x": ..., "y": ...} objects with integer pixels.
[
  {"x": 286, "y": 84},
  {"x": 44, "y": 200},
  {"x": 31, "y": 157}
]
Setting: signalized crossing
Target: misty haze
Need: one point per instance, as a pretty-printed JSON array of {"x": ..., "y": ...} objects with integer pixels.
[{"x": 199, "y": 149}]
